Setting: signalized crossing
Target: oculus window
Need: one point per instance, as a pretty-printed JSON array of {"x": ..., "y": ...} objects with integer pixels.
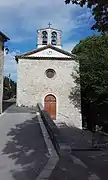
[{"x": 50, "y": 73}]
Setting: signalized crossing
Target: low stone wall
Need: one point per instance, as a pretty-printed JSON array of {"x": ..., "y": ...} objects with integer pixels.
[{"x": 58, "y": 141}]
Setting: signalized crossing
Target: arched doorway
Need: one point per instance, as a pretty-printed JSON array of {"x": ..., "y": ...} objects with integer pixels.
[{"x": 50, "y": 105}]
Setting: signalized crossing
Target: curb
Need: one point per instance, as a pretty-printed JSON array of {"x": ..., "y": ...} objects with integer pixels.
[
  {"x": 59, "y": 142},
  {"x": 48, "y": 168},
  {"x": 106, "y": 134},
  {"x": 87, "y": 149},
  {"x": 2, "y": 114}
]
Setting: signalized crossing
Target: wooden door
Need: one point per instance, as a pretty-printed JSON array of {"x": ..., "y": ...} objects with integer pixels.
[{"x": 50, "y": 105}]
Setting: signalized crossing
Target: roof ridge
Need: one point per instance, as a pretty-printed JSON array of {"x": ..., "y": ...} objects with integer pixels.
[
  {"x": 43, "y": 48},
  {"x": 50, "y": 28}
]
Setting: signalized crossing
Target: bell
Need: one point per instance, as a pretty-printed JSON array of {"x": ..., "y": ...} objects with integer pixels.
[{"x": 6, "y": 50}]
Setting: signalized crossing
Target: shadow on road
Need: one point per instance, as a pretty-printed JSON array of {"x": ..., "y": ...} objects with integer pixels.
[
  {"x": 95, "y": 159},
  {"x": 77, "y": 138},
  {"x": 28, "y": 149},
  {"x": 7, "y": 103}
]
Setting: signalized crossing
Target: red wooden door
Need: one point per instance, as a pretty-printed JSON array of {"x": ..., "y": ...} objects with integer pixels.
[{"x": 50, "y": 105}]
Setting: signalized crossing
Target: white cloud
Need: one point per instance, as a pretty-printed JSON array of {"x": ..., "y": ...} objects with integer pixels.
[
  {"x": 10, "y": 65},
  {"x": 69, "y": 46},
  {"x": 18, "y": 15},
  {"x": 20, "y": 19},
  {"x": 19, "y": 39}
]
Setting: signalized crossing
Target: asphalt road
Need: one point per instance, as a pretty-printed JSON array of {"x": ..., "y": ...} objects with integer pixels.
[
  {"x": 95, "y": 161},
  {"x": 23, "y": 152}
]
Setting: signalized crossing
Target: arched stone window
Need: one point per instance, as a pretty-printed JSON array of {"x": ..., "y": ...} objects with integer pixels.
[
  {"x": 44, "y": 38},
  {"x": 54, "y": 38}
]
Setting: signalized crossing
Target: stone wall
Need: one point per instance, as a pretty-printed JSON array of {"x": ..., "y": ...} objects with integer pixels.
[
  {"x": 49, "y": 31},
  {"x": 1, "y": 74},
  {"x": 59, "y": 142},
  {"x": 33, "y": 85}
]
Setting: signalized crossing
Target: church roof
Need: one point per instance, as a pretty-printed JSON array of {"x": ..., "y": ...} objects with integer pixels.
[
  {"x": 26, "y": 55},
  {"x": 50, "y": 28}
]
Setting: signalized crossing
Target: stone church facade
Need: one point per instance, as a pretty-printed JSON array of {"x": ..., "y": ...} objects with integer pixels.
[{"x": 44, "y": 76}]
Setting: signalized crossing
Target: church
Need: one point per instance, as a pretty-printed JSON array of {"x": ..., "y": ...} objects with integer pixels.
[{"x": 44, "y": 76}]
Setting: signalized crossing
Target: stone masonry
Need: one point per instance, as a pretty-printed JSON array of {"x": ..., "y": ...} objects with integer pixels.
[
  {"x": 1, "y": 74},
  {"x": 3, "y": 39},
  {"x": 49, "y": 31},
  {"x": 33, "y": 85}
]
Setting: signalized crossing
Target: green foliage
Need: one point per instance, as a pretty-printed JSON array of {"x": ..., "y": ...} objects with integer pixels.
[
  {"x": 92, "y": 54},
  {"x": 99, "y": 11},
  {"x": 9, "y": 88}
]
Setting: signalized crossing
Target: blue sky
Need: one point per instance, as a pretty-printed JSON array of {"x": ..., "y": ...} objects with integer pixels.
[{"x": 20, "y": 19}]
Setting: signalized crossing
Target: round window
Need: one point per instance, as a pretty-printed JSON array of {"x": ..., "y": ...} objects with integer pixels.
[{"x": 50, "y": 73}]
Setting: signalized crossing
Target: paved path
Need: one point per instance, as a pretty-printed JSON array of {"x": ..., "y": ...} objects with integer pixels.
[
  {"x": 23, "y": 152},
  {"x": 24, "y": 155},
  {"x": 96, "y": 162},
  {"x": 84, "y": 163}
]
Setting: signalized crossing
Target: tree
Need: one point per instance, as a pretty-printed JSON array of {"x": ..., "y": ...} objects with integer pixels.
[
  {"x": 9, "y": 88},
  {"x": 99, "y": 11},
  {"x": 92, "y": 54}
]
